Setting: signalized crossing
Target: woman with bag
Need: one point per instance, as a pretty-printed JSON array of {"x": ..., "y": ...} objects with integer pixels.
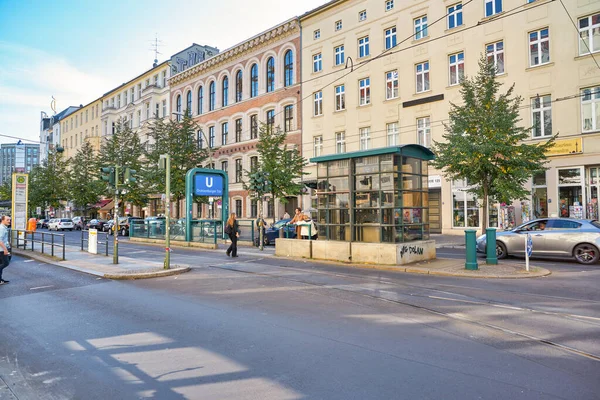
[{"x": 232, "y": 229}]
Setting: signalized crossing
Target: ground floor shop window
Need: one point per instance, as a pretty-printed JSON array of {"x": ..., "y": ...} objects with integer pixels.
[
  {"x": 539, "y": 196},
  {"x": 570, "y": 193},
  {"x": 465, "y": 210},
  {"x": 593, "y": 189}
]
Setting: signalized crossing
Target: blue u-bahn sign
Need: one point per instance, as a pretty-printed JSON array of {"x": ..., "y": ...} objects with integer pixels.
[{"x": 208, "y": 185}]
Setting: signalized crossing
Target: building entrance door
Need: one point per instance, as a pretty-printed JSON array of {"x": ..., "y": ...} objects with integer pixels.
[{"x": 435, "y": 211}]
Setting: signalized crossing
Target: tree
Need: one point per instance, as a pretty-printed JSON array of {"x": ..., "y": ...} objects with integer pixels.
[
  {"x": 6, "y": 189},
  {"x": 280, "y": 164},
  {"x": 124, "y": 149},
  {"x": 484, "y": 142},
  {"x": 84, "y": 186},
  {"x": 49, "y": 182},
  {"x": 179, "y": 139}
]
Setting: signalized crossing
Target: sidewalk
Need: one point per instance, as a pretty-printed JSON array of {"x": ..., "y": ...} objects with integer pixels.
[
  {"x": 448, "y": 241},
  {"x": 100, "y": 265}
]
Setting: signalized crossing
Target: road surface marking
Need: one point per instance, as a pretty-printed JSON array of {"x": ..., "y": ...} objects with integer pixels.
[
  {"x": 41, "y": 287},
  {"x": 137, "y": 252},
  {"x": 29, "y": 261}
]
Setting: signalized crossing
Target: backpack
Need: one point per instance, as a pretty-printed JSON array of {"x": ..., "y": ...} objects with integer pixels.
[{"x": 228, "y": 229}]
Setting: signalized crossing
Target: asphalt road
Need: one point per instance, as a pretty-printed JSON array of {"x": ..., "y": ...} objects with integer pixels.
[{"x": 258, "y": 327}]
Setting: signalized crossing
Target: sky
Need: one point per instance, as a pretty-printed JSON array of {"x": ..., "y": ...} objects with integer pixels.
[{"x": 78, "y": 50}]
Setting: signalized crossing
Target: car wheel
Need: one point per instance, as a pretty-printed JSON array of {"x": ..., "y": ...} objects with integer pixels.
[
  {"x": 586, "y": 253},
  {"x": 501, "y": 250},
  {"x": 123, "y": 232}
]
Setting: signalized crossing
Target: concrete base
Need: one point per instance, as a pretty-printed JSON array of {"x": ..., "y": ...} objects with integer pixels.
[{"x": 360, "y": 253}]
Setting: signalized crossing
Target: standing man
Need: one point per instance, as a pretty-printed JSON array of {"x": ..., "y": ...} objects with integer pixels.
[{"x": 4, "y": 245}]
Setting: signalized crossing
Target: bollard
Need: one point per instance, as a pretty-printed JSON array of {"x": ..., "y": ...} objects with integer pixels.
[
  {"x": 471, "y": 262},
  {"x": 42, "y": 242},
  {"x": 52, "y": 237},
  {"x": 63, "y": 246},
  {"x": 281, "y": 231},
  {"x": 490, "y": 238},
  {"x": 32, "y": 241}
]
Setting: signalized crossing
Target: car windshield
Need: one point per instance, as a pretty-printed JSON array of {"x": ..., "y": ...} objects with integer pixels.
[
  {"x": 65, "y": 220},
  {"x": 596, "y": 224},
  {"x": 279, "y": 224}
]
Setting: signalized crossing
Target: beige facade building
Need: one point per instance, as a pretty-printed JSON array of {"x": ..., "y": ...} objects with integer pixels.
[
  {"x": 82, "y": 125},
  {"x": 382, "y": 73}
]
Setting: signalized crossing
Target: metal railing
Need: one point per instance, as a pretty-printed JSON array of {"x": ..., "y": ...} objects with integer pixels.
[
  {"x": 84, "y": 239},
  {"x": 21, "y": 242},
  {"x": 203, "y": 231}
]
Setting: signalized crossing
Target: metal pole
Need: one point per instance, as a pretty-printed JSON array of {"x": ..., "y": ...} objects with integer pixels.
[
  {"x": 526, "y": 253},
  {"x": 42, "y": 242},
  {"x": 116, "y": 223},
  {"x": 52, "y": 236},
  {"x": 63, "y": 240},
  {"x": 82, "y": 240},
  {"x": 490, "y": 238},
  {"x": 168, "y": 211},
  {"x": 32, "y": 241},
  {"x": 471, "y": 262}
]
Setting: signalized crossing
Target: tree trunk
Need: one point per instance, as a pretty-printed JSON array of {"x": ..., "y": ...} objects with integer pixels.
[{"x": 177, "y": 200}]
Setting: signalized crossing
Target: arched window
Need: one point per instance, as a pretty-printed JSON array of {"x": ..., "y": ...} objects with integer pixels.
[
  {"x": 254, "y": 80},
  {"x": 270, "y": 74},
  {"x": 188, "y": 109},
  {"x": 288, "y": 69},
  {"x": 211, "y": 96},
  {"x": 178, "y": 107},
  {"x": 225, "y": 91},
  {"x": 200, "y": 99},
  {"x": 238, "y": 86}
]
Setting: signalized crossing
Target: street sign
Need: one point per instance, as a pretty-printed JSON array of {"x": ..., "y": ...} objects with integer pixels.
[
  {"x": 529, "y": 245},
  {"x": 208, "y": 185}
]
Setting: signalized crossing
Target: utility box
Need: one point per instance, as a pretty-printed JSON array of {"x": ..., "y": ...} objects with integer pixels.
[{"x": 93, "y": 241}]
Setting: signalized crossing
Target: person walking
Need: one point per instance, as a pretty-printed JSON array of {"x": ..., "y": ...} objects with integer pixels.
[
  {"x": 4, "y": 245},
  {"x": 232, "y": 229}
]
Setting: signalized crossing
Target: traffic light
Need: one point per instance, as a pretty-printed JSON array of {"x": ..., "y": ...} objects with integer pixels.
[
  {"x": 129, "y": 176},
  {"x": 107, "y": 174}
]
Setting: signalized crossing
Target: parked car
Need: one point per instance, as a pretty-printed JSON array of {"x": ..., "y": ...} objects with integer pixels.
[
  {"x": 61, "y": 224},
  {"x": 551, "y": 238},
  {"x": 79, "y": 223},
  {"x": 42, "y": 223},
  {"x": 124, "y": 224},
  {"x": 96, "y": 224},
  {"x": 272, "y": 232}
]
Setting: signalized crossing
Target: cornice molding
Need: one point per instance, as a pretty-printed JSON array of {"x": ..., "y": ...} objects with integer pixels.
[{"x": 260, "y": 41}]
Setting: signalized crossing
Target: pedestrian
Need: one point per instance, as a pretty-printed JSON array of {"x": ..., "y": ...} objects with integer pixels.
[
  {"x": 298, "y": 217},
  {"x": 232, "y": 229},
  {"x": 286, "y": 216},
  {"x": 5, "y": 245}
]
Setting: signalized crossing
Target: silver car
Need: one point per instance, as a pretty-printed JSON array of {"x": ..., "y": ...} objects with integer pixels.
[{"x": 551, "y": 238}]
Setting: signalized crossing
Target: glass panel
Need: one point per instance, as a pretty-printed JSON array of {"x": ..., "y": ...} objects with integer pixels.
[
  {"x": 458, "y": 207},
  {"x": 322, "y": 199},
  {"x": 339, "y": 168},
  {"x": 321, "y": 170},
  {"x": 411, "y": 182},
  {"x": 367, "y": 233},
  {"x": 387, "y": 198},
  {"x": 412, "y": 199},
  {"x": 472, "y": 211},
  {"x": 338, "y": 184},
  {"x": 387, "y": 181},
  {"x": 322, "y": 230},
  {"x": 539, "y": 179},
  {"x": 411, "y": 165},
  {"x": 366, "y": 165},
  {"x": 339, "y": 216},
  {"x": 366, "y": 182},
  {"x": 388, "y": 216},
  {"x": 339, "y": 200},
  {"x": 569, "y": 176},
  {"x": 322, "y": 185},
  {"x": 412, "y": 216},
  {"x": 337, "y": 232},
  {"x": 367, "y": 200},
  {"x": 367, "y": 216},
  {"x": 387, "y": 163}
]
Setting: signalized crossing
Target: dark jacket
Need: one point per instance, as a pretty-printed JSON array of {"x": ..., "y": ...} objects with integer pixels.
[{"x": 236, "y": 228}]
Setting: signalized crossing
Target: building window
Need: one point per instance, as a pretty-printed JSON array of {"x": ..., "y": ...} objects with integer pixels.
[
  {"x": 148, "y": 108},
  {"x": 238, "y": 170},
  {"x": 364, "y": 91},
  {"x": 340, "y": 142},
  {"x": 200, "y": 99},
  {"x": 590, "y": 109},
  {"x": 164, "y": 108},
  {"x": 200, "y": 139},
  {"x": 362, "y": 15},
  {"x": 178, "y": 109},
  {"x": 156, "y": 80},
  {"x": 424, "y": 132},
  {"x": 317, "y": 34},
  {"x": 253, "y": 163},
  {"x": 238, "y": 208},
  {"x": 188, "y": 108},
  {"x": 224, "y": 133},
  {"x": 465, "y": 208},
  {"x": 420, "y": 27},
  {"x": 589, "y": 34},
  {"x": 390, "y": 37},
  {"x": 495, "y": 55},
  {"x": 389, "y": 5},
  {"x": 391, "y": 85},
  {"x": 456, "y": 64},
  {"x": 539, "y": 47},
  {"x": 288, "y": 68},
  {"x": 211, "y": 96},
  {"x": 318, "y": 102},
  {"x": 270, "y": 119},
  {"x": 211, "y": 137},
  {"x": 254, "y": 126},
  {"x": 422, "y": 77},
  {"x": 338, "y": 25},
  {"x": 541, "y": 109},
  {"x": 318, "y": 146},
  {"x": 393, "y": 138},
  {"x": 253, "y": 208},
  {"x": 225, "y": 92},
  {"x": 224, "y": 166},
  {"x": 270, "y": 74},
  {"x": 455, "y": 17},
  {"x": 340, "y": 98},
  {"x": 157, "y": 110},
  {"x": 164, "y": 79},
  {"x": 317, "y": 63},
  {"x": 288, "y": 118},
  {"x": 363, "y": 47},
  {"x": 239, "y": 86},
  {"x": 339, "y": 55},
  {"x": 254, "y": 80},
  {"x": 492, "y": 7},
  {"x": 365, "y": 138},
  {"x": 238, "y": 130}
]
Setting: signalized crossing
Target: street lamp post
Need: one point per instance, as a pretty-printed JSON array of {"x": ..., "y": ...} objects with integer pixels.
[{"x": 165, "y": 163}]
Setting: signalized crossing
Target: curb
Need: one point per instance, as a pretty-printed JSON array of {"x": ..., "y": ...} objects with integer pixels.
[{"x": 124, "y": 276}]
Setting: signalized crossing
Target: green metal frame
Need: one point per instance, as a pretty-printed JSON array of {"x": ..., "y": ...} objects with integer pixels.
[
  {"x": 411, "y": 150},
  {"x": 189, "y": 197}
]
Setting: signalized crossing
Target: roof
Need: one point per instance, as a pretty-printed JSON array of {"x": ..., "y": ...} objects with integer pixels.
[
  {"x": 162, "y": 64},
  {"x": 318, "y": 9},
  {"x": 413, "y": 150}
]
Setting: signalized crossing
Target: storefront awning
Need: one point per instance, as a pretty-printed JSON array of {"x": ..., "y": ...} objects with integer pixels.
[{"x": 410, "y": 150}]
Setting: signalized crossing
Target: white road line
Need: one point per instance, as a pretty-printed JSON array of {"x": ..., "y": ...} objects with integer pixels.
[
  {"x": 41, "y": 287},
  {"x": 29, "y": 261}
]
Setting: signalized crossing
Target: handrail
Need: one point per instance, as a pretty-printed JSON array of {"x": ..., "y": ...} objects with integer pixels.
[{"x": 33, "y": 241}]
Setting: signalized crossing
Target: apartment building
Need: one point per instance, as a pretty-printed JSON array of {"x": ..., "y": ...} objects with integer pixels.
[
  {"x": 229, "y": 94},
  {"x": 50, "y": 131},
  {"x": 382, "y": 73},
  {"x": 17, "y": 157},
  {"x": 80, "y": 126}
]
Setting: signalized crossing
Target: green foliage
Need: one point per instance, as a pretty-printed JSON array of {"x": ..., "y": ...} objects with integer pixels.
[
  {"x": 179, "y": 139},
  {"x": 84, "y": 186},
  {"x": 49, "y": 182},
  {"x": 6, "y": 189},
  {"x": 484, "y": 141},
  {"x": 125, "y": 150},
  {"x": 280, "y": 166}
]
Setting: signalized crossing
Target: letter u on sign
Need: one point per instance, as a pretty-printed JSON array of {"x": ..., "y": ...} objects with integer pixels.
[{"x": 209, "y": 182}]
